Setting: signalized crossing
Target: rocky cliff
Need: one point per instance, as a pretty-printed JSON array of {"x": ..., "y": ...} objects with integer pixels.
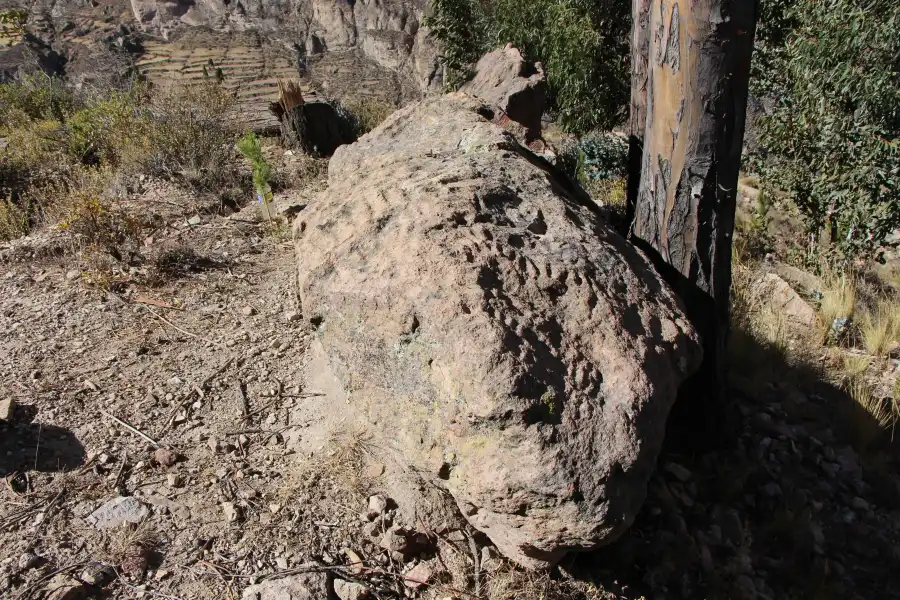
[{"x": 389, "y": 32}]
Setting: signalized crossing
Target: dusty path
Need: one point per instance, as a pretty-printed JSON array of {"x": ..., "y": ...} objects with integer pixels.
[{"x": 207, "y": 365}]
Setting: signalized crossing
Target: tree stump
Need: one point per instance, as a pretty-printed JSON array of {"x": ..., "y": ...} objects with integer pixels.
[{"x": 316, "y": 128}]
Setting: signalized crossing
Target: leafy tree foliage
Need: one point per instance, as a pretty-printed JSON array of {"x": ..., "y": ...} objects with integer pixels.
[
  {"x": 833, "y": 140},
  {"x": 461, "y": 28},
  {"x": 582, "y": 44}
]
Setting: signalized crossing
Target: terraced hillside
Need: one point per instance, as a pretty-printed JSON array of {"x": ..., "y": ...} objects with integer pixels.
[
  {"x": 251, "y": 66},
  {"x": 100, "y": 39}
]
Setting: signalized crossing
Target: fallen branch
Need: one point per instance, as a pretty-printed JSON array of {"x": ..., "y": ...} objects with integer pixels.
[
  {"x": 132, "y": 429},
  {"x": 182, "y": 330}
]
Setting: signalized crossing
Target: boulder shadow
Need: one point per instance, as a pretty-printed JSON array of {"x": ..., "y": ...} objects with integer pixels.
[
  {"x": 799, "y": 503},
  {"x": 27, "y": 446}
]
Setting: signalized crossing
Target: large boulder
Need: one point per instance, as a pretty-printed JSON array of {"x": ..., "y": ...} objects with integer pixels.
[
  {"x": 505, "y": 79},
  {"x": 495, "y": 332}
]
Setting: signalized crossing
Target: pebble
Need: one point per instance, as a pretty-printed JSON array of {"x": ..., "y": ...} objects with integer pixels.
[
  {"x": 377, "y": 505},
  {"x": 248, "y": 311},
  {"x": 28, "y": 560},
  {"x": 350, "y": 590},
  {"x": 7, "y": 408},
  {"x": 232, "y": 512},
  {"x": 174, "y": 480},
  {"x": 419, "y": 576},
  {"x": 860, "y": 504},
  {"x": 165, "y": 457},
  {"x": 680, "y": 473}
]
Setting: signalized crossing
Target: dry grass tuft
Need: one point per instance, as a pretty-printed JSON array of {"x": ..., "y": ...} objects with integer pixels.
[
  {"x": 338, "y": 468},
  {"x": 871, "y": 417},
  {"x": 368, "y": 113},
  {"x": 508, "y": 583},
  {"x": 838, "y": 300},
  {"x": 609, "y": 193},
  {"x": 879, "y": 328},
  {"x": 855, "y": 366}
]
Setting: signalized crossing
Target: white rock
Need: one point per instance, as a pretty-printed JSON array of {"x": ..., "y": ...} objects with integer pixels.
[{"x": 124, "y": 509}]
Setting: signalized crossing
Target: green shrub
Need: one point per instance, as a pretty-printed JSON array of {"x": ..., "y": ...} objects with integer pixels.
[
  {"x": 34, "y": 97},
  {"x": 584, "y": 48},
  {"x": 104, "y": 130},
  {"x": 249, "y": 147},
  {"x": 368, "y": 113},
  {"x": 582, "y": 44},
  {"x": 833, "y": 141},
  {"x": 186, "y": 133},
  {"x": 461, "y": 28}
]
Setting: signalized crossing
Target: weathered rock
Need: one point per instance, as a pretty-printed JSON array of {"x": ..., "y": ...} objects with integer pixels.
[
  {"x": 479, "y": 311},
  {"x": 306, "y": 586},
  {"x": 350, "y": 590},
  {"x": 504, "y": 78},
  {"x": 772, "y": 291},
  {"x": 165, "y": 457},
  {"x": 7, "y": 409},
  {"x": 419, "y": 576},
  {"x": 118, "y": 511}
]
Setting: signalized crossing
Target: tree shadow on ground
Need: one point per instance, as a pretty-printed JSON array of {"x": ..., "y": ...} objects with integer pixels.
[
  {"x": 802, "y": 503},
  {"x": 27, "y": 446}
]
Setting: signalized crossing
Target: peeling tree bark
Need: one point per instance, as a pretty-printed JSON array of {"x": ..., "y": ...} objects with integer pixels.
[
  {"x": 697, "y": 72},
  {"x": 640, "y": 47}
]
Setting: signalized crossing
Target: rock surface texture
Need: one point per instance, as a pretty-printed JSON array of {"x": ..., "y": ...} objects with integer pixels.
[
  {"x": 387, "y": 31},
  {"x": 500, "y": 336},
  {"x": 505, "y": 79}
]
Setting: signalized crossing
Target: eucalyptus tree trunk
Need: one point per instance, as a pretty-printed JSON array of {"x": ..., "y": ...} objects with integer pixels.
[
  {"x": 693, "y": 106},
  {"x": 640, "y": 47}
]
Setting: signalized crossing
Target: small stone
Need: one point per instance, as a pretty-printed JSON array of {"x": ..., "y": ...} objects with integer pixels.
[
  {"x": 680, "y": 473},
  {"x": 371, "y": 529},
  {"x": 306, "y": 586},
  {"x": 64, "y": 587},
  {"x": 7, "y": 408},
  {"x": 29, "y": 560},
  {"x": 419, "y": 576},
  {"x": 165, "y": 457},
  {"x": 116, "y": 512},
  {"x": 377, "y": 505},
  {"x": 374, "y": 470},
  {"x": 175, "y": 381},
  {"x": 195, "y": 220},
  {"x": 73, "y": 274},
  {"x": 232, "y": 512},
  {"x": 174, "y": 480},
  {"x": 350, "y": 590},
  {"x": 732, "y": 528},
  {"x": 396, "y": 540},
  {"x": 98, "y": 575},
  {"x": 860, "y": 504},
  {"x": 706, "y": 559},
  {"x": 213, "y": 444},
  {"x": 772, "y": 489},
  {"x": 248, "y": 311},
  {"x": 292, "y": 316},
  {"x": 282, "y": 563}
]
